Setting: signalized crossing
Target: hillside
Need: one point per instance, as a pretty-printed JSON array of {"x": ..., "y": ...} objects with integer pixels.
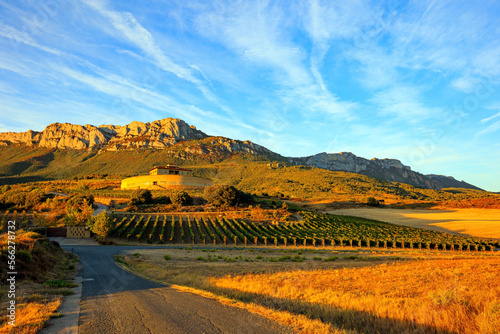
[
  {"x": 250, "y": 173},
  {"x": 67, "y": 150}
]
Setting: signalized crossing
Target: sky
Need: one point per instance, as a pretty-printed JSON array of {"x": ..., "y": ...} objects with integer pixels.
[{"x": 417, "y": 81}]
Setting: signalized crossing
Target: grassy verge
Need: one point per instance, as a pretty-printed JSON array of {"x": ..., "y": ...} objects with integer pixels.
[
  {"x": 324, "y": 291},
  {"x": 44, "y": 277}
]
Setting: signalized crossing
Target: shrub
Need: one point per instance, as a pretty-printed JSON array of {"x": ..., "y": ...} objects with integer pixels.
[
  {"x": 24, "y": 255},
  {"x": 79, "y": 215},
  {"x": 101, "y": 225},
  {"x": 372, "y": 202},
  {"x": 80, "y": 199},
  {"x": 167, "y": 257},
  {"x": 220, "y": 195},
  {"x": 141, "y": 196},
  {"x": 162, "y": 200},
  {"x": 181, "y": 198}
]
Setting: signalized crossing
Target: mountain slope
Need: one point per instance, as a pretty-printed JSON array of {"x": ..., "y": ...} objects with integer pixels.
[
  {"x": 450, "y": 182},
  {"x": 65, "y": 150}
]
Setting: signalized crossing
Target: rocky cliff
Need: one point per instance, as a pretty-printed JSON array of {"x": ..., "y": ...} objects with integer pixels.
[
  {"x": 385, "y": 169},
  {"x": 158, "y": 134}
]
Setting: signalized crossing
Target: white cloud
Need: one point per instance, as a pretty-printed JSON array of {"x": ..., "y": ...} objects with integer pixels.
[
  {"x": 21, "y": 37},
  {"x": 484, "y": 120},
  {"x": 403, "y": 102},
  {"x": 128, "y": 25},
  {"x": 260, "y": 34},
  {"x": 466, "y": 83},
  {"x": 256, "y": 31}
]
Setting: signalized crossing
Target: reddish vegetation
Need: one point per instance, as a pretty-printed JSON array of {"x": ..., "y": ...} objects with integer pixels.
[{"x": 480, "y": 203}]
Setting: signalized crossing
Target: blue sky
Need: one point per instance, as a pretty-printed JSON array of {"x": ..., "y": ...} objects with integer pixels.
[{"x": 416, "y": 81}]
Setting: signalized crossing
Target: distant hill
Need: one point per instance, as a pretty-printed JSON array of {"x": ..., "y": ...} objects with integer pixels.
[
  {"x": 66, "y": 150},
  {"x": 450, "y": 182}
]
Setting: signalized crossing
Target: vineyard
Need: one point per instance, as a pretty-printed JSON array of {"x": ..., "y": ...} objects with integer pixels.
[{"x": 313, "y": 230}]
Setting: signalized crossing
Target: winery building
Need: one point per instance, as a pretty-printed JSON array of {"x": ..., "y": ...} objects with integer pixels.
[{"x": 163, "y": 177}]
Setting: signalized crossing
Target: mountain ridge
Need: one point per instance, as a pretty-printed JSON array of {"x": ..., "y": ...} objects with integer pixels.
[{"x": 168, "y": 133}]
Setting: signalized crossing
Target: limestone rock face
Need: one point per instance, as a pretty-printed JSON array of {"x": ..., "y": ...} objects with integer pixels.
[
  {"x": 158, "y": 134},
  {"x": 385, "y": 169},
  {"x": 25, "y": 138},
  {"x": 348, "y": 162}
]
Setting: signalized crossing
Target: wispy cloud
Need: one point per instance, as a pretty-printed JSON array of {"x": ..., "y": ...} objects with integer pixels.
[
  {"x": 485, "y": 120},
  {"x": 259, "y": 34},
  {"x": 21, "y": 37},
  {"x": 493, "y": 127},
  {"x": 405, "y": 103},
  {"x": 127, "y": 24}
]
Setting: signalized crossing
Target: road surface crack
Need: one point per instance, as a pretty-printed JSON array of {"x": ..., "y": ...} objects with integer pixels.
[
  {"x": 217, "y": 328},
  {"x": 140, "y": 319}
]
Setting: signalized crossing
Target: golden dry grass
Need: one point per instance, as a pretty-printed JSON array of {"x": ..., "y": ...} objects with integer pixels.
[
  {"x": 32, "y": 317},
  {"x": 475, "y": 222},
  {"x": 442, "y": 296},
  {"x": 429, "y": 292}
]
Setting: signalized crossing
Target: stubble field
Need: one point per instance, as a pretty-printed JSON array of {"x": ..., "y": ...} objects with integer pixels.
[{"x": 475, "y": 222}]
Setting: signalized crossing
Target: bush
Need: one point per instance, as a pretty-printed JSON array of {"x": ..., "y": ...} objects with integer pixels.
[
  {"x": 23, "y": 255},
  {"x": 79, "y": 215},
  {"x": 141, "y": 196},
  {"x": 181, "y": 198},
  {"x": 162, "y": 200},
  {"x": 221, "y": 195},
  {"x": 80, "y": 199},
  {"x": 101, "y": 225},
  {"x": 34, "y": 198},
  {"x": 372, "y": 202}
]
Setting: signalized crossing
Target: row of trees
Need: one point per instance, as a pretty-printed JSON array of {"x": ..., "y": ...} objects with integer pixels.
[{"x": 217, "y": 195}]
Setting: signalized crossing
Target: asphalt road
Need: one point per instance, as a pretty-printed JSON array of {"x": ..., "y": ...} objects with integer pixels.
[{"x": 116, "y": 301}]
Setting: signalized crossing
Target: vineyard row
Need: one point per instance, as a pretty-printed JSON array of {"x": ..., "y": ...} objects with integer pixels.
[{"x": 313, "y": 230}]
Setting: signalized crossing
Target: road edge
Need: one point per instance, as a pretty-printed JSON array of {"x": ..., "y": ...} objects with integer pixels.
[{"x": 70, "y": 309}]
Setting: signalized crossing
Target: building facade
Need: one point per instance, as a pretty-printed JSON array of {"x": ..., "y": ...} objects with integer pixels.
[{"x": 163, "y": 177}]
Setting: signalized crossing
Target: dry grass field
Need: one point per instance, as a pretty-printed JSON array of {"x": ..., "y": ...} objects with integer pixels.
[
  {"x": 341, "y": 291},
  {"x": 44, "y": 272},
  {"x": 476, "y": 222}
]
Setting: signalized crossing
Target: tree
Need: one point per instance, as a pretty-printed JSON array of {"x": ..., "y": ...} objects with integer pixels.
[
  {"x": 79, "y": 215},
  {"x": 181, "y": 198},
  {"x": 141, "y": 196},
  {"x": 372, "y": 201},
  {"x": 221, "y": 195},
  {"x": 101, "y": 225}
]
